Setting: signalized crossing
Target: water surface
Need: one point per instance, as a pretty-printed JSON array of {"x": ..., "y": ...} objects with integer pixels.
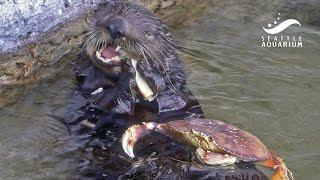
[{"x": 273, "y": 93}]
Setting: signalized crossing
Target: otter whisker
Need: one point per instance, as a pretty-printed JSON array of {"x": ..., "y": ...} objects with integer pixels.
[
  {"x": 162, "y": 65},
  {"x": 100, "y": 41},
  {"x": 92, "y": 39},
  {"x": 127, "y": 11},
  {"x": 145, "y": 57}
]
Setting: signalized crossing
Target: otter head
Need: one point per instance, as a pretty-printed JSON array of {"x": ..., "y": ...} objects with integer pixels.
[{"x": 125, "y": 30}]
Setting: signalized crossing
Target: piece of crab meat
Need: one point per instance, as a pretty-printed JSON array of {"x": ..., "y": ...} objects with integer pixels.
[
  {"x": 213, "y": 158},
  {"x": 142, "y": 83}
]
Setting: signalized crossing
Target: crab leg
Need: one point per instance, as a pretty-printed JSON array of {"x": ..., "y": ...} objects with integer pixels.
[
  {"x": 281, "y": 170},
  {"x": 133, "y": 134}
]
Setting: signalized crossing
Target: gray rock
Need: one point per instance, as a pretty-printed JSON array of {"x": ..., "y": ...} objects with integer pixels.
[{"x": 23, "y": 21}]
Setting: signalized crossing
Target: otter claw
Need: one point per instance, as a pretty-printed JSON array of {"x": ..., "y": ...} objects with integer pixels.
[{"x": 99, "y": 90}]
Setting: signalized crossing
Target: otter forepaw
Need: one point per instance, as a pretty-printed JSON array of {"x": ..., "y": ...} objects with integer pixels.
[{"x": 101, "y": 100}]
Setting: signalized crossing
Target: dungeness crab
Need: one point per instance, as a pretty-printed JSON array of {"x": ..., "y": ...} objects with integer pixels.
[{"x": 217, "y": 143}]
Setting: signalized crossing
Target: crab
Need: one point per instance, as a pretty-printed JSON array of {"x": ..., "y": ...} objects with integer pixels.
[{"x": 217, "y": 143}]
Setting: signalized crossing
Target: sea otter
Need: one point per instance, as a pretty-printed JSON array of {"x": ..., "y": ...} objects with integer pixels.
[{"x": 120, "y": 32}]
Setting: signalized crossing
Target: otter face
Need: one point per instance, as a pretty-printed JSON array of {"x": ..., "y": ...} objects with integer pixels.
[{"x": 125, "y": 30}]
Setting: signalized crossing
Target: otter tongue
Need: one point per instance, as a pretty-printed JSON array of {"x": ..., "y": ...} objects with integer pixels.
[{"x": 109, "y": 52}]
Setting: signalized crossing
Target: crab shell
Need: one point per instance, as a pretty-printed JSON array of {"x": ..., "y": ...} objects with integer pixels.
[{"x": 216, "y": 136}]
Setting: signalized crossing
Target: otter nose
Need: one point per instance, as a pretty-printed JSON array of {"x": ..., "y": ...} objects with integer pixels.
[{"x": 116, "y": 28}]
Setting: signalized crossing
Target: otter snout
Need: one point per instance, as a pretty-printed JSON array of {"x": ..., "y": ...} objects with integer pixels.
[{"x": 116, "y": 28}]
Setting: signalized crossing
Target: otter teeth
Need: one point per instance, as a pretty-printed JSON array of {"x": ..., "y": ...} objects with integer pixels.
[
  {"x": 115, "y": 58},
  {"x": 118, "y": 48},
  {"x": 98, "y": 54}
]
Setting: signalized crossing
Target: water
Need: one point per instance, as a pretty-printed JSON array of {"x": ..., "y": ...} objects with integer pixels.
[{"x": 273, "y": 93}]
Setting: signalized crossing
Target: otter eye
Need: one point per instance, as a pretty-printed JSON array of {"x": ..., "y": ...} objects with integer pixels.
[
  {"x": 149, "y": 35},
  {"x": 164, "y": 29}
]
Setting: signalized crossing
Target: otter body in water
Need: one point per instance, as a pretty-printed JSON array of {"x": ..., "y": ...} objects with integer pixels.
[{"x": 120, "y": 32}]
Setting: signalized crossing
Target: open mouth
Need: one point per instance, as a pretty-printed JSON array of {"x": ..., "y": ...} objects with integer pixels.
[{"x": 111, "y": 55}]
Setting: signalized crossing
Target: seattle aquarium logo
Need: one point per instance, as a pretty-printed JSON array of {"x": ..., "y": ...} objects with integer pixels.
[{"x": 281, "y": 41}]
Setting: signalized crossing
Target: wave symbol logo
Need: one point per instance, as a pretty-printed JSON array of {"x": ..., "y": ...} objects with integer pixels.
[{"x": 282, "y": 26}]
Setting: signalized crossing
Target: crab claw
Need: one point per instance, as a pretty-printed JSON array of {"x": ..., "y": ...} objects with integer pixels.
[
  {"x": 212, "y": 158},
  {"x": 133, "y": 134}
]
